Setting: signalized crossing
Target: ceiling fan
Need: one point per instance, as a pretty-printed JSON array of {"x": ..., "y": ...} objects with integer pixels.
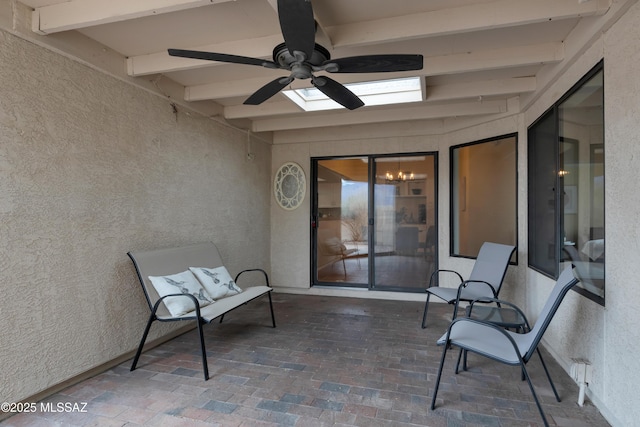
[{"x": 302, "y": 56}]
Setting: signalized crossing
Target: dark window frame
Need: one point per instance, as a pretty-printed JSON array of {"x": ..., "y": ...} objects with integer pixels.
[
  {"x": 314, "y": 164},
  {"x": 452, "y": 252},
  {"x": 553, "y": 112}
]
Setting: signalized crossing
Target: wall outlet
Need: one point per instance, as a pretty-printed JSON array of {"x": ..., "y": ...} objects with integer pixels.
[{"x": 581, "y": 371}]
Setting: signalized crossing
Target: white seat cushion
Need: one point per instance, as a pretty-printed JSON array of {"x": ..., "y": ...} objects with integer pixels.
[
  {"x": 217, "y": 281},
  {"x": 180, "y": 283}
]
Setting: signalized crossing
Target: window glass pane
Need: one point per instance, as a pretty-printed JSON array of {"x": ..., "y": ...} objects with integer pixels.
[
  {"x": 542, "y": 182},
  {"x": 581, "y": 175},
  {"x": 342, "y": 213},
  {"x": 483, "y": 200},
  {"x": 405, "y": 231}
]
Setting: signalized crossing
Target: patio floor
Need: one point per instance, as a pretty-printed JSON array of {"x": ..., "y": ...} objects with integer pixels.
[{"x": 330, "y": 362}]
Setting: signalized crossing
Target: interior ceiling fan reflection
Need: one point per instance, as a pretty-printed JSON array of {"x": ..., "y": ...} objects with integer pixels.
[{"x": 302, "y": 57}]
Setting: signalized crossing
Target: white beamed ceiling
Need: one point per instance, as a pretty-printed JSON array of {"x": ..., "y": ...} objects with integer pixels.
[{"x": 480, "y": 55}]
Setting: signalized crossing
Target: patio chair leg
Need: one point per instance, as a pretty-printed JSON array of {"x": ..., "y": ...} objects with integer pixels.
[
  {"x": 462, "y": 356},
  {"x": 546, "y": 371},
  {"x": 458, "y": 362},
  {"x": 152, "y": 317},
  {"x": 424, "y": 316},
  {"x": 435, "y": 389},
  {"x": 205, "y": 366},
  {"x": 535, "y": 396}
]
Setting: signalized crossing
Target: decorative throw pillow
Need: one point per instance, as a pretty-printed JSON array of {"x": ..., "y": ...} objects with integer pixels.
[
  {"x": 216, "y": 281},
  {"x": 180, "y": 283}
]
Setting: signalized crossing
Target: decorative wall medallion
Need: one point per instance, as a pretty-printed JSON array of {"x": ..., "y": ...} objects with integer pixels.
[{"x": 290, "y": 186}]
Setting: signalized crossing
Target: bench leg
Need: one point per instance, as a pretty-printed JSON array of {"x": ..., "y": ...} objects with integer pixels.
[
  {"x": 144, "y": 338},
  {"x": 273, "y": 318},
  {"x": 205, "y": 366}
]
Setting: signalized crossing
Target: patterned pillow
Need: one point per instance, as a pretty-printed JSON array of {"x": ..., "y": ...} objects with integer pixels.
[
  {"x": 216, "y": 281},
  {"x": 180, "y": 283}
]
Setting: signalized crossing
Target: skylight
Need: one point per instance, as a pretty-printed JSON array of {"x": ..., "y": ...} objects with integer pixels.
[{"x": 381, "y": 92}]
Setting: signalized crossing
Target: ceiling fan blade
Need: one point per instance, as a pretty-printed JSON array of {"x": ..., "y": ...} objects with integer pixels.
[
  {"x": 337, "y": 92},
  {"x": 268, "y": 90},
  {"x": 222, "y": 57},
  {"x": 297, "y": 25},
  {"x": 375, "y": 64}
]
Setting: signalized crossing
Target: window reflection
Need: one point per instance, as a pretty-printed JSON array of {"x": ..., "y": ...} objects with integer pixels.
[{"x": 581, "y": 174}]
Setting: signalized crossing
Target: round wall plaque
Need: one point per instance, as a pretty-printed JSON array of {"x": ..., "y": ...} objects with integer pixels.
[{"x": 290, "y": 186}]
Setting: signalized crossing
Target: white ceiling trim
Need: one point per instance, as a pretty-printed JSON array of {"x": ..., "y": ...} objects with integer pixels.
[
  {"x": 422, "y": 112},
  {"x": 267, "y": 109},
  {"x": 73, "y": 15},
  {"x": 492, "y": 59},
  {"x": 481, "y": 89}
]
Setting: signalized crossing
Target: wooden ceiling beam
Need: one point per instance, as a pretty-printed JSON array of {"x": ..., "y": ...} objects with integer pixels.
[
  {"x": 420, "y": 112},
  {"x": 76, "y": 14},
  {"x": 476, "y": 17}
]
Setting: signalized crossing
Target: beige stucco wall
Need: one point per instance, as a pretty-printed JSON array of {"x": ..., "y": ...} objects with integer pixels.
[
  {"x": 90, "y": 168},
  {"x": 621, "y": 329}
]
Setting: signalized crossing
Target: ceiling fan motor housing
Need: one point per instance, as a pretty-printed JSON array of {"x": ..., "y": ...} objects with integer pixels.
[{"x": 285, "y": 59}]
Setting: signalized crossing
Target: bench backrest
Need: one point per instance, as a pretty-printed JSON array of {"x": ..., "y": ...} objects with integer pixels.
[{"x": 164, "y": 262}]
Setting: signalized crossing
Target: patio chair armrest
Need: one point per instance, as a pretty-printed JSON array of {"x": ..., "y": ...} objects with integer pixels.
[
  {"x": 466, "y": 283},
  {"x": 469, "y": 282},
  {"x": 500, "y": 302},
  {"x": 489, "y": 325},
  {"x": 486, "y": 301},
  {"x": 264, "y": 273},
  {"x": 437, "y": 272}
]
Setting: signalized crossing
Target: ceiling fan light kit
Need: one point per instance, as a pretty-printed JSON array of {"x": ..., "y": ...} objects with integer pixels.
[{"x": 302, "y": 57}]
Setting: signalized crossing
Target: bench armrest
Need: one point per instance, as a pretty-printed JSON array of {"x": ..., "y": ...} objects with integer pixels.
[
  {"x": 161, "y": 299},
  {"x": 264, "y": 273}
]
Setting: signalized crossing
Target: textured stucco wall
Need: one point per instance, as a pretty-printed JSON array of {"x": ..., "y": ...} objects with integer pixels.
[
  {"x": 621, "y": 331},
  {"x": 90, "y": 168}
]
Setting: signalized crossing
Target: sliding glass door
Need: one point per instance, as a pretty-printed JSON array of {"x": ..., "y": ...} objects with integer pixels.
[
  {"x": 405, "y": 250},
  {"x": 374, "y": 221},
  {"x": 341, "y": 218}
]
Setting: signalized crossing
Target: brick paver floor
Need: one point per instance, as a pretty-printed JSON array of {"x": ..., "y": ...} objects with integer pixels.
[{"x": 330, "y": 362}]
